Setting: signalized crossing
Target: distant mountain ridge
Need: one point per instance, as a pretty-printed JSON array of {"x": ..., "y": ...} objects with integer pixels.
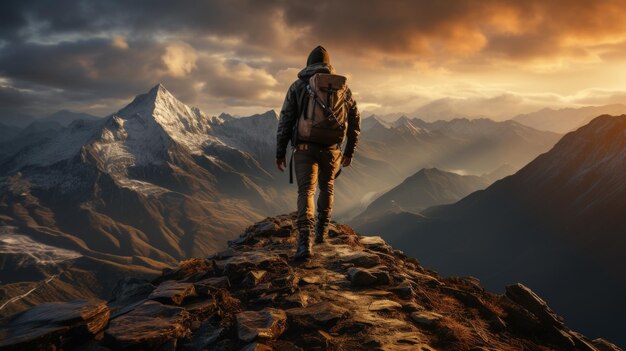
[
  {"x": 426, "y": 188},
  {"x": 567, "y": 119},
  {"x": 560, "y": 218}
]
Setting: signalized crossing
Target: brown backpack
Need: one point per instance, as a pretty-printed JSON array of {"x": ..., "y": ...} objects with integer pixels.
[{"x": 324, "y": 115}]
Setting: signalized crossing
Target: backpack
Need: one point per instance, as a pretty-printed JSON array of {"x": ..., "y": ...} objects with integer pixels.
[{"x": 324, "y": 115}]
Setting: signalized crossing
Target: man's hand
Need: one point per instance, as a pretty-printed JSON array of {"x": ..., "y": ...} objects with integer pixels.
[
  {"x": 281, "y": 164},
  {"x": 346, "y": 161}
]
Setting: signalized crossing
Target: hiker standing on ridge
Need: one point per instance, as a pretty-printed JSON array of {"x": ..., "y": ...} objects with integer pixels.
[{"x": 317, "y": 115}]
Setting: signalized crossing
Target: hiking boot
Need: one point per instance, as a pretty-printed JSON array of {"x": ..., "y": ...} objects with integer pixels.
[
  {"x": 304, "y": 249},
  {"x": 320, "y": 234}
]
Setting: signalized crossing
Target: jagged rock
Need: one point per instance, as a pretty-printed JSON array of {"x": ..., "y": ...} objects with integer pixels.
[
  {"x": 237, "y": 266},
  {"x": 361, "y": 259},
  {"x": 426, "y": 318},
  {"x": 404, "y": 289},
  {"x": 54, "y": 325},
  {"x": 366, "y": 277},
  {"x": 269, "y": 323},
  {"x": 253, "y": 278},
  {"x": 127, "y": 294},
  {"x": 206, "y": 286},
  {"x": 149, "y": 326},
  {"x": 255, "y": 346},
  {"x": 204, "y": 336},
  {"x": 298, "y": 299},
  {"x": 603, "y": 345},
  {"x": 319, "y": 315},
  {"x": 361, "y": 277},
  {"x": 526, "y": 298},
  {"x": 384, "y": 305},
  {"x": 324, "y": 304},
  {"x": 193, "y": 267},
  {"x": 173, "y": 292}
]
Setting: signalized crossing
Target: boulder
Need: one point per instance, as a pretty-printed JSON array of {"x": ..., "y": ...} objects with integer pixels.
[
  {"x": 361, "y": 259},
  {"x": 366, "y": 277},
  {"x": 403, "y": 290},
  {"x": 526, "y": 298},
  {"x": 255, "y": 346},
  {"x": 173, "y": 292},
  {"x": 207, "y": 286},
  {"x": 384, "y": 305},
  {"x": 361, "y": 277},
  {"x": 269, "y": 323},
  {"x": 147, "y": 327},
  {"x": 54, "y": 325},
  {"x": 425, "y": 318},
  {"x": 253, "y": 278},
  {"x": 320, "y": 315}
]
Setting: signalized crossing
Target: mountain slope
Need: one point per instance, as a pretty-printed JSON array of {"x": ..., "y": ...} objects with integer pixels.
[
  {"x": 141, "y": 189},
  {"x": 357, "y": 293},
  {"x": 65, "y": 117},
  {"x": 567, "y": 119},
  {"x": 556, "y": 220},
  {"x": 426, "y": 188}
]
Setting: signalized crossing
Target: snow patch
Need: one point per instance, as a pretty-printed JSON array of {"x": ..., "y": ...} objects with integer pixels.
[{"x": 35, "y": 252}]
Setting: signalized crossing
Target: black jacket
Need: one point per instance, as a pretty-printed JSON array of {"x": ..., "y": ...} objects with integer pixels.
[{"x": 291, "y": 111}]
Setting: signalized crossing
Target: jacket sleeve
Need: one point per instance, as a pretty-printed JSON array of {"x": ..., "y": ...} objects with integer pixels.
[
  {"x": 287, "y": 121},
  {"x": 354, "y": 126}
]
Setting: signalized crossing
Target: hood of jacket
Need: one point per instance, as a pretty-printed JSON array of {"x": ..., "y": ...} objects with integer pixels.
[
  {"x": 310, "y": 70},
  {"x": 317, "y": 62}
]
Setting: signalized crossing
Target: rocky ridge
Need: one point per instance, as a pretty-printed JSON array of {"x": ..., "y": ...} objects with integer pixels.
[{"x": 357, "y": 293}]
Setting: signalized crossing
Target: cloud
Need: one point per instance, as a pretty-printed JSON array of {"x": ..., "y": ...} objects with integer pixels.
[
  {"x": 180, "y": 59},
  {"x": 239, "y": 55},
  {"x": 119, "y": 42}
]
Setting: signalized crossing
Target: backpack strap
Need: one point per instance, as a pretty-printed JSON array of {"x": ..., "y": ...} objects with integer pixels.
[{"x": 317, "y": 99}]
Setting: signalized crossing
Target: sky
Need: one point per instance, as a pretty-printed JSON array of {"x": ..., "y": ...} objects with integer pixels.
[{"x": 492, "y": 58}]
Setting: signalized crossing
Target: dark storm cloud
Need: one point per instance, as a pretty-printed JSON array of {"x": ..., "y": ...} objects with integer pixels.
[{"x": 235, "y": 50}]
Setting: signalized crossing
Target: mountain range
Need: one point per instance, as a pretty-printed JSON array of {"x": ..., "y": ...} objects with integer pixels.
[
  {"x": 132, "y": 193},
  {"x": 558, "y": 225},
  {"x": 426, "y": 188},
  {"x": 159, "y": 181},
  {"x": 567, "y": 119}
]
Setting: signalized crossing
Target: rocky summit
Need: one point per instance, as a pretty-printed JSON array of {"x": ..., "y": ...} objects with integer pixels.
[{"x": 356, "y": 293}]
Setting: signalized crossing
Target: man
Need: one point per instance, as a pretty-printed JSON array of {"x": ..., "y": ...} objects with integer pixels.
[{"x": 317, "y": 115}]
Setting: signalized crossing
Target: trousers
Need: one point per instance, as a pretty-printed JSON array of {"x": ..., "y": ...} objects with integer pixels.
[{"x": 315, "y": 165}]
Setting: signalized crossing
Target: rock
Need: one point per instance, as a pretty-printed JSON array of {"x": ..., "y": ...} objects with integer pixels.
[
  {"x": 206, "y": 335},
  {"x": 366, "y": 277},
  {"x": 193, "y": 267},
  {"x": 310, "y": 279},
  {"x": 54, "y": 325},
  {"x": 269, "y": 323},
  {"x": 319, "y": 315},
  {"x": 425, "y": 318},
  {"x": 268, "y": 228},
  {"x": 237, "y": 266},
  {"x": 361, "y": 277},
  {"x": 361, "y": 259},
  {"x": 411, "y": 306},
  {"x": 173, "y": 292},
  {"x": 603, "y": 345},
  {"x": 253, "y": 278},
  {"x": 207, "y": 286},
  {"x": 404, "y": 289},
  {"x": 127, "y": 294},
  {"x": 149, "y": 326},
  {"x": 384, "y": 305},
  {"x": 526, "y": 298},
  {"x": 255, "y": 346},
  {"x": 297, "y": 299}
]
